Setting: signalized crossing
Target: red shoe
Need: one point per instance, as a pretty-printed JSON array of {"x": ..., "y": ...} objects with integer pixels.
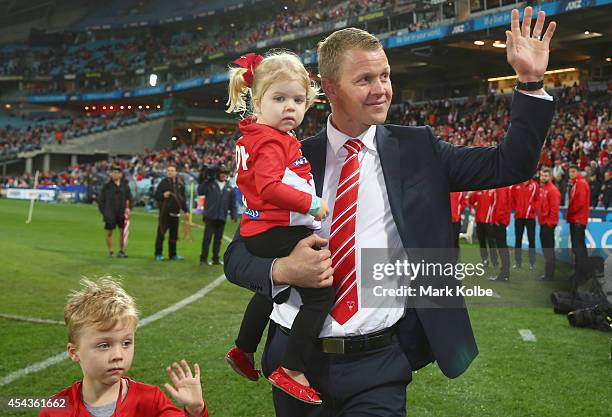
[
  {"x": 241, "y": 364},
  {"x": 282, "y": 381}
]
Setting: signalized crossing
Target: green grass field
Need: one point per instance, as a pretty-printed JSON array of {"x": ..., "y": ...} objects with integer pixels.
[{"x": 566, "y": 372}]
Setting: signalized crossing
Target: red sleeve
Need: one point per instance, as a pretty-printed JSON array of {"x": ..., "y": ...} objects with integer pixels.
[
  {"x": 269, "y": 166},
  {"x": 513, "y": 197},
  {"x": 554, "y": 202},
  {"x": 586, "y": 195},
  {"x": 472, "y": 199},
  {"x": 581, "y": 198},
  {"x": 536, "y": 196},
  {"x": 506, "y": 203},
  {"x": 544, "y": 207},
  {"x": 463, "y": 203}
]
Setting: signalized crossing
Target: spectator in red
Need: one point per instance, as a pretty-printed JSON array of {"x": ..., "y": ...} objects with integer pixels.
[
  {"x": 480, "y": 204},
  {"x": 548, "y": 216},
  {"x": 524, "y": 201},
  {"x": 577, "y": 218}
]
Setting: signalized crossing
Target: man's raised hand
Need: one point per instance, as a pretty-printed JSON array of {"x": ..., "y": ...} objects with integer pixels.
[{"x": 528, "y": 51}]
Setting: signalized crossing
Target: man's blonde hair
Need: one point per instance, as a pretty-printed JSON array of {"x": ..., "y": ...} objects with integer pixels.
[
  {"x": 332, "y": 49},
  {"x": 100, "y": 304},
  {"x": 276, "y": 66}
]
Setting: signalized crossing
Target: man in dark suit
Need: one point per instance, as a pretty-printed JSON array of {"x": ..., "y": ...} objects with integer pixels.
[
  {"x": 114, "y": 201},
  {"x": 363, "y": 365},
  {"x": 219, "y": 201},
  {"x": 171, "y": 198}
]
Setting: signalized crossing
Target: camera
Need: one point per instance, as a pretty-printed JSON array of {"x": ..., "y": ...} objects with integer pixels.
[{"x": 596, "y": 317}]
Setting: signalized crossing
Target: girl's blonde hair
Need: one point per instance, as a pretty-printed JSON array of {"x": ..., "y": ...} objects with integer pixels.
[{"x": 276, "y": 66}]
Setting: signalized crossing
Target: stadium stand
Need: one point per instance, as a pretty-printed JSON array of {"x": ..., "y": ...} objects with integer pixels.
[
  {"x": 115, "y": 61},
  {"x": 21, "y": 135},
  {"x": 581, "y": 134}
]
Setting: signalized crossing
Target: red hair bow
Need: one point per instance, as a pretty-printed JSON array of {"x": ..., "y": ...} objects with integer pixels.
[{"x": 250, "y": 62}]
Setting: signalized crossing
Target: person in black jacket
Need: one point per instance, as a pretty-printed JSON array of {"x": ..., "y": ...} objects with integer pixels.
[
  {"x": 219, "y": 202},
  {"x": 114, "y": 201},
  {"x": 170, "y": 196}
]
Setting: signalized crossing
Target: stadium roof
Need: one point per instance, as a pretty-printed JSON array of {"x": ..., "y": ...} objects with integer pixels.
[{"x": 456, "y": 59}]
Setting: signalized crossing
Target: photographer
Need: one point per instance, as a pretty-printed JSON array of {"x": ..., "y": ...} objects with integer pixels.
[{"x": 219, "y": 201}]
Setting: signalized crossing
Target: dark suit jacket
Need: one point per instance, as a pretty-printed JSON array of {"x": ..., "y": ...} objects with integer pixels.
[
  {"x": 219, "y": 202},
  {"x": 177, "y": 201},
  {"x": 113, "y": 200},
  {"x": 420, "y": 170}
]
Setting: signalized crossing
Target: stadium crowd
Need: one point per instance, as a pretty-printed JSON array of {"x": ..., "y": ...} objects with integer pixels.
[
  {"x": 116, "y": 61},
  {"x": 580, "y": 134},
  {"x": 143, "y": 171},
  {"x": 36, "y": 133}
]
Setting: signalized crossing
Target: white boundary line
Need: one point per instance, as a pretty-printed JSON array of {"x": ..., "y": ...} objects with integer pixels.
[
  {"x": 39, "y": 366},
  {"x": 30, "y": 319}
]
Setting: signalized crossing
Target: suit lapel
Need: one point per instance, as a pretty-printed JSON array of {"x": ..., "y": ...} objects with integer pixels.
[{"x": 389, "y": 153}]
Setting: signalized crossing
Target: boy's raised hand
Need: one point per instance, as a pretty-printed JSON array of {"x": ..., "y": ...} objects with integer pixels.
[{"x": 188, "y": 391}]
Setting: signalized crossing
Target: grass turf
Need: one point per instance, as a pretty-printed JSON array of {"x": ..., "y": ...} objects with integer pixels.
[{"x": 565, "y": 373}]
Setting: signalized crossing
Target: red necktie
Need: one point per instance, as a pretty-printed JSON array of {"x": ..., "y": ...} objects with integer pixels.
[{"x": 342, "y": 235}]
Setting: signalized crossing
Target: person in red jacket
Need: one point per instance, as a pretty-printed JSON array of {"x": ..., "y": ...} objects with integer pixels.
[
  {"x": 480, "y": 203},
  {"x": 548, "y": 216},
  {"x": 282, "y": 206},
  {"x": 577, "y": 217},
  {"x": 500, "y": 209},
  {"x": 458, "y": 203},
  {"x": 524, "y": 198},
  {"x": 101, "y": 321}
]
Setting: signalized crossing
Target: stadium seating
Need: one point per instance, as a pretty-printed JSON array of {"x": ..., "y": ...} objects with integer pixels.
[
  {"x": 24, "y": 135},
  {"x": 582, "y": 117},
  {"x": 112, "y": 63}
]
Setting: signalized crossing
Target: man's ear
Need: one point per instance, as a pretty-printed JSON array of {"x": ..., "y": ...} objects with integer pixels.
[
  {"x": 329, "y": 88},
  {"x": 73, "y": 352}
]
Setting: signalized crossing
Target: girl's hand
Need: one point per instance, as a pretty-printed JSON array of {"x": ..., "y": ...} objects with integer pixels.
[{"x": 323, "y": 211}]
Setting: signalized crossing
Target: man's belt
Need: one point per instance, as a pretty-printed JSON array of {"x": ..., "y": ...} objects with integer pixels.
[{"x": 353, "y": 344}]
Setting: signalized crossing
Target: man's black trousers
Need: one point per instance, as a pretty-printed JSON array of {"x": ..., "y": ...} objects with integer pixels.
[
  {"x": 167, "y": 223},
  {"x": 577, "y": 235},
  {"x": 213, "y": 230},
  {"x": 368, "y": 384},
  {"x": 499, "y": 245},
  {"x": 519, "y": 226},
  {"x": 547, "y": 239}
]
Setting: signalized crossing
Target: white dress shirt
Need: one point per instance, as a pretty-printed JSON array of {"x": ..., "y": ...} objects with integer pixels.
[{"x": 374, "y": 228}]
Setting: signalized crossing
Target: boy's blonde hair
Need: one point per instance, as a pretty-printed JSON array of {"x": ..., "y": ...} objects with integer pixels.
[
  {"x": 100, "y": 304},
  {"x": 331, "y": 49},
  {"x": 276, "y": 66}
]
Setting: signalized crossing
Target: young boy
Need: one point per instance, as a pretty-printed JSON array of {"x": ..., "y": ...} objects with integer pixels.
[{"x": 101, "y": 320}]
